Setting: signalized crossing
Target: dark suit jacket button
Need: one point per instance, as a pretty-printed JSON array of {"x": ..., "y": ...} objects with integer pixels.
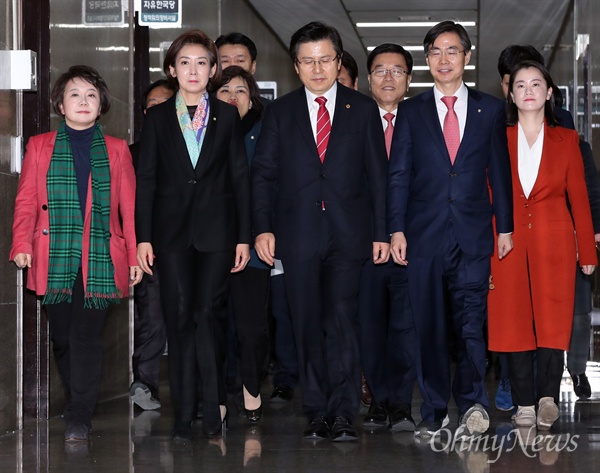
[
  {"x": 452, "y": 174},
  {"x": 450, "y": 200},
  {"x": 322, "y": 176},
  {"x": 192, "y": 181},
  {"x": 44, "y": 207},
  {"x": 45, "y": 231}
]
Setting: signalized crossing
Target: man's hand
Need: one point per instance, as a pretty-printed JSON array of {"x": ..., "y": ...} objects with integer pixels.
[
  {"x": 505, "y": 244},
  {"x": 381, "y": 252},
  {"x": 145, "y": 257},
  {"x": 242, "y": 256},
  {"x": 398, "y": 248},
  {"x": 264, "y": 244}
]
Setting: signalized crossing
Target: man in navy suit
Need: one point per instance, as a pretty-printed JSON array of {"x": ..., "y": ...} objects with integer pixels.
[
  {"x": 449, "y": 174},
  {"x": 321, "y": 210}
]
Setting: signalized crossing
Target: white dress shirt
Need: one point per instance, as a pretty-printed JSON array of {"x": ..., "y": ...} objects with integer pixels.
[
  {"x": 460, "y": 107},
  {"x": 529, "y": 159},
  {"x": 313, "y": 107}
]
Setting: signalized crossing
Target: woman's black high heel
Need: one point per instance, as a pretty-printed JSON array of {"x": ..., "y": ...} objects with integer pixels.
[
  {"x": 219, "y": 429},
  {"x": 254, "y": 415}
]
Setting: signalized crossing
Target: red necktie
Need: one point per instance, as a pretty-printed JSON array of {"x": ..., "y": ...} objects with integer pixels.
[
  {"x": 389, "y": 132},
  {"x": 323, "y": 127},
  {"x": 451, "y": 129}
]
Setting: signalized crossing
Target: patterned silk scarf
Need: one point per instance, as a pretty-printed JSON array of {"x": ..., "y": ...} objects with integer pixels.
[
  {"x": 193, "y": 129},
  {"x": 66, "y": 224}
]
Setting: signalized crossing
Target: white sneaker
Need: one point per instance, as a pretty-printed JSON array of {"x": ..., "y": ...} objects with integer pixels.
[
  {"x": 547, "y": 413},
  {"x": 525, "y": 416}
]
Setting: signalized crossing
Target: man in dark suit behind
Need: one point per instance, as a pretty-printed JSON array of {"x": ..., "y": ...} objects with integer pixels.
[
  {"x": 320, "y": 208},
  {"x": 448, "y": 144}
]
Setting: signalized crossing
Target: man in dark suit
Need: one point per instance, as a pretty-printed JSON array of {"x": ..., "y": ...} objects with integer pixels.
[
  {"x": 319, "y": 176},
  {"x": 449, "y": 144},
  {"x": 149, "y": 326},
  {"x": 387, "y": 336}
]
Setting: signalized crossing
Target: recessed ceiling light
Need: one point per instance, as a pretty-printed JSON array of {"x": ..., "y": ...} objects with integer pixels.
[{"x": 407, "y": 24}]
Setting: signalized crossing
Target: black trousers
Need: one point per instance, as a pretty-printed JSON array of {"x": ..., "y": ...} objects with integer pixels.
[
  {"x": 528, "y": 382},
  {"x": 286, "y": 368},
  {"x": 323, "y": 300},
  {"x": 388, "y": 340},
  {"x": 249, "y": 299},
  {"x": 194, "y": 288},
  {"x": 150, "y": 334},
  {"x": 77, "y": 344}
]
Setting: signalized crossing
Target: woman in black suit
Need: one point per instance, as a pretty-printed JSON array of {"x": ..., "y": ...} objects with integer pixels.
[
  {"x": 249, "y": 290},
  {"x": 193, "y": 217}
]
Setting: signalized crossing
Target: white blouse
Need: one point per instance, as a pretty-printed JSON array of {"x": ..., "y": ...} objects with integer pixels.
[{"x": 529, "y": 159}]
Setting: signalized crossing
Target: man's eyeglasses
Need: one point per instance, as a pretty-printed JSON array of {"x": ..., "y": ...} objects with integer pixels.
[
  {"x": 394, "y": 72},
  {"x": 437, "y": 53},
  {"x": 325, "y": 61}
]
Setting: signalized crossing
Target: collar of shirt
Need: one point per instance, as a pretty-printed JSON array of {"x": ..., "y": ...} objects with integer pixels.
[
  {"x": 313, "y": 107},
  {"x": 384, "y": 122},
  {"x": 460, "y": 106}
]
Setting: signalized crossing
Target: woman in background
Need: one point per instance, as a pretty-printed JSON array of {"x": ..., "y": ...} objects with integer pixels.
[
  {"x": 532, "y": 289},
  {"x": 249, "y": 289},
  {"x": 74, "y": 229}
]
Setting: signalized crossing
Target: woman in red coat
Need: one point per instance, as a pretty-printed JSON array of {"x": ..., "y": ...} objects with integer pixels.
[
  {"x": 74, "y": 229},
  {"x": 532, "y": 289}
]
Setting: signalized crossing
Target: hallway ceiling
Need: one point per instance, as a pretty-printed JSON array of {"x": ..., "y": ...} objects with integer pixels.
[{"x": 498, "y": 24}]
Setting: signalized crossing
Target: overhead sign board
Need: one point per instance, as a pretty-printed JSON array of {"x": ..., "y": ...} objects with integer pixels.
[
  {"x": 159, "y": 13},
  {"x": 103, "y": 12}
]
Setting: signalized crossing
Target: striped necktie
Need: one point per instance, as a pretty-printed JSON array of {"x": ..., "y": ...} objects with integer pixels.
[{"x": 323, "y": 127}]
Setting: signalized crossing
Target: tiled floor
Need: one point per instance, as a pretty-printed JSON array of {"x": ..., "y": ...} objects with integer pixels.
[{"x": 127, "y": 440}]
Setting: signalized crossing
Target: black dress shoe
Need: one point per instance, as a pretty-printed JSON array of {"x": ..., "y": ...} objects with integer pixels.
[
  {"x": 581, "y": 386},
  {"x": 317, "y": 429},
  {"x": 342, "y": 430},
  {"x": 282, "y": 394},
  {"x": 254, "y": 415},
  {"x": 377, "y": 417},
  {"x": 400, "y": 418},
  {"x": 182, "y": 430}
]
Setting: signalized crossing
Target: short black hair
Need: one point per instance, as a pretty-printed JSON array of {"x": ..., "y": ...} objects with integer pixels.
[
  {"x": 447, "y": 26},
  {"x": 390, "y": 48},
  {"x": 514, "y": 54},
  {"x": 312, "y": 32},
  {"x": 238, "y": 38},
  {"x": 512, "y": 113},
  {"x": 86, "y": 73},
  {"x": 351, "y": 66},
  {"x": 157, "y": 83}
]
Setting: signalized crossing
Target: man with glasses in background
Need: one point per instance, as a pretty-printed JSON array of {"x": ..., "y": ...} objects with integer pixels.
[
  {"x": 449, "y": 144},
  {"x": 319, "y": 177},
  {"x": 387, "y": 335}
]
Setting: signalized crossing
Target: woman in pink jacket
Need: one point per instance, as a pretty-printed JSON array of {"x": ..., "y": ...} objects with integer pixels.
[{"x": 74, "y": 229}]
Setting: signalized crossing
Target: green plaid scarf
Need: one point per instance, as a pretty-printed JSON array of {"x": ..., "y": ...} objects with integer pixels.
[{"x": 66, "y": 224}]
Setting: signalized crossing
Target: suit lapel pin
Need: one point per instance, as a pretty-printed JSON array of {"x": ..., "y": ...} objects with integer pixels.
[
  {"x": 478, "y": 110},
  {"x": 347, "y": 105},
  {"x": 214, "y": 119}
]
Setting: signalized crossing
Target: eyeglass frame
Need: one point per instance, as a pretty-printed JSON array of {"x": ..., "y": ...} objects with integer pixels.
[
  {"x": 325, "y": 61},
  {"x": 403, "y": 72},
  {"x": 451, "y": 52}
]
